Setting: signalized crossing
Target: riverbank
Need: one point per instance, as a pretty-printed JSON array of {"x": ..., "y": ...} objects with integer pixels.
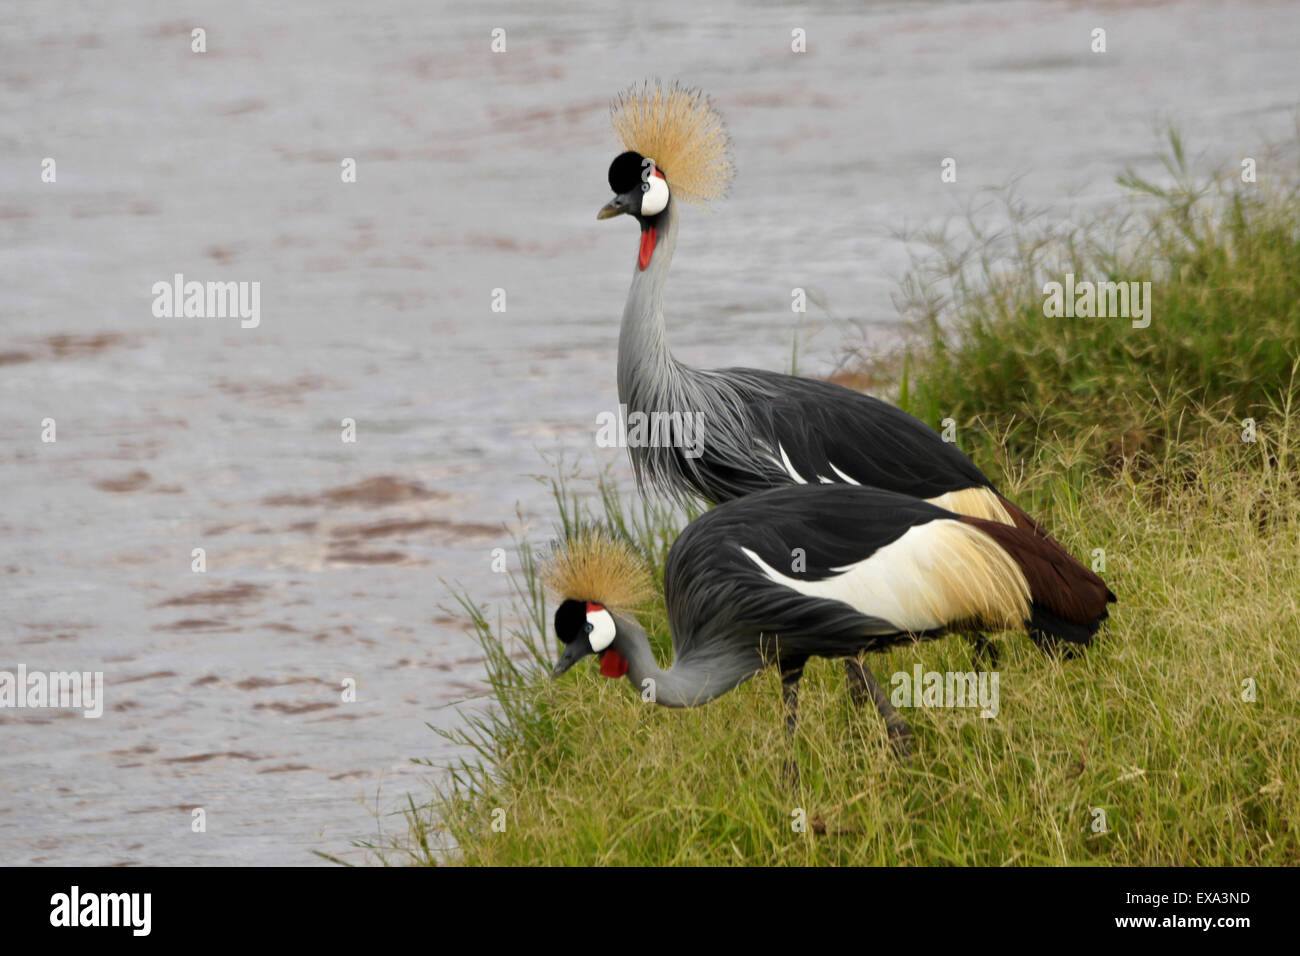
[{"x": 1173, "y": 741}]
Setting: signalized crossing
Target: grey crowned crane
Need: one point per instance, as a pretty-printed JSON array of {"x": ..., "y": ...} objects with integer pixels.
[
  {"x": 755, "y": 429},
  {"x": 877, "y": 569}
]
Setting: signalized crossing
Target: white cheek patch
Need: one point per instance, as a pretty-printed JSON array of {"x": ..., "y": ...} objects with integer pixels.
[
  {"x": 654, "y": 199},
  {"x": 602, "y": 630}
]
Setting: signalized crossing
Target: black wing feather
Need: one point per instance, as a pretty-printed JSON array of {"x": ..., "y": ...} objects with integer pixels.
[
  {"x": 717, "y": 594},
  {"x": 820, "y": 425}
]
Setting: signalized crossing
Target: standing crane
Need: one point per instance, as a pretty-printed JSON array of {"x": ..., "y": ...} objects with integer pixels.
[
  {"x": 877, "y": 569},
  {"x": 760, "y": 429}
]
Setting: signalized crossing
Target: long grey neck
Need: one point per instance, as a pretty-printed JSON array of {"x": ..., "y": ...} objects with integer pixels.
[
  {"x": 678, "y": 686},
  {"x": 643, "y": 355},
  {"x": 718, "y": 458}
]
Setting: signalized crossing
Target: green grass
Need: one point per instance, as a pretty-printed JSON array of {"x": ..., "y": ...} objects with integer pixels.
[
  {"x": 1119, "y": 439},
  {"x": 1223, "y": 260}
]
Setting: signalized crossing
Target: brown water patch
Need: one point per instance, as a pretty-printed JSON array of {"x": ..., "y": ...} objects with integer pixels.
[
  {"x": 257, "y": 683},
  {"x": 239, "y": 107},
  {"x": 15, "y": 358},
  {"x": 132, "y": 482},
  {"x": 204, "y": 681},
  {"x": 381, "y": 529},
  {"x": 472, "y": 529},
  {"x": 141, "y": 749},
  {"x": 286, "y": 768},
  {"x": 154, "y": 676},
  {"x": 375, "y": 492},
  {"x": 204, "y": 758},
  {"x": 46, "y": 638},
  {"x": 222, "y": 254},
  {"x": 182, "y": 807},
  {"x": 273, "y": 391},
  {"x": 294, "y": 709},
  {"x": 234, "y": 594},
  {"x": 174, "y": 29},
  {"x": 366, "y": 557},
  {"x": 64, "y": 345},
  {"x": 192, "y": 624}
]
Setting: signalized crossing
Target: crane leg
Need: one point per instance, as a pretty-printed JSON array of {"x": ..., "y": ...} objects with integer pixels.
[
  {"x": 790, "y": 697},
  {"x": 863, "y": 685},
  {"x": 986, "y": 652}
]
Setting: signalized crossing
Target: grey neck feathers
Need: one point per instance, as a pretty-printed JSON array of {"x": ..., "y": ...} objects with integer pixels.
[
  {"x": 653, "y": 383},
  {"x": 643, "y": 354},
  {"x": 685, "y": 684}
]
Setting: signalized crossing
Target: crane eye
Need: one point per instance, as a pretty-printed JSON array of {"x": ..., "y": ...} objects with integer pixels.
[
  {"x": 645, "y": 187},
  {"x": 588, "y": 627}
]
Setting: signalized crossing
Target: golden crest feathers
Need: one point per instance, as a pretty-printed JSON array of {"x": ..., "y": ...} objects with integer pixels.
[
  {"x": 594, "y": 565},
  {"x": 682, "y": 132}
]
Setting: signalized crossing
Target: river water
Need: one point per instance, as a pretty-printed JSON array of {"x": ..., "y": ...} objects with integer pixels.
[{"x": 329, "y": 561}]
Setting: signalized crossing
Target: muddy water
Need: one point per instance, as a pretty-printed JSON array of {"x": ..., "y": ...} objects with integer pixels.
[{"x": 325, "y": 559}]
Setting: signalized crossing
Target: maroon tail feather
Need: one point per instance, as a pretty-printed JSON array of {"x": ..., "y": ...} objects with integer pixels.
[{"x": 1067, "y": 600}]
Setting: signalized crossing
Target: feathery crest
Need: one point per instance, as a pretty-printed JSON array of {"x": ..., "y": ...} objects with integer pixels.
[
  {"x": 680, "y": 130},
  {"x": 594, "y": 565}
]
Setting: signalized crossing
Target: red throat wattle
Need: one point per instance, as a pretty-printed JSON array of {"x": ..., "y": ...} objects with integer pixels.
[
  {"x": 648, "y": 236},
  {"x": 613, "y": 664}
]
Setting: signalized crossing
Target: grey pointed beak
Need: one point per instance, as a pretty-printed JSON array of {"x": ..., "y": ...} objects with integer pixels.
[
  {"x": 572, "y": 654},
  {"x": 615, "y": 207}
]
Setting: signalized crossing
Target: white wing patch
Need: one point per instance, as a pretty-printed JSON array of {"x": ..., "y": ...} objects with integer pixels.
[{"x": 937, "y": 574}]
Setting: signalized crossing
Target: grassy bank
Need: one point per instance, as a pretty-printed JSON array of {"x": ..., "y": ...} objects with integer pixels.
[
  {"x": 1127, "y": 444},
  {"x": 1223, "y": 261}
]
